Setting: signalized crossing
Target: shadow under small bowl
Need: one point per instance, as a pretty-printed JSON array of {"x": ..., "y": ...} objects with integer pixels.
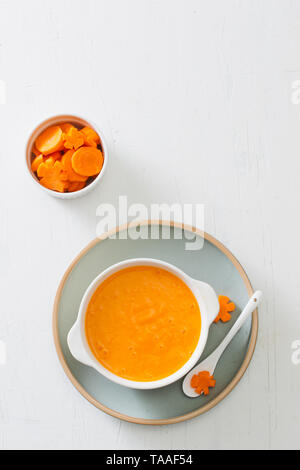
[{"x": 56, "y": 121}]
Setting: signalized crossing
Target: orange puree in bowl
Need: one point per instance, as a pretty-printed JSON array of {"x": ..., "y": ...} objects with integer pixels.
[{"x": 143, "y": 323}]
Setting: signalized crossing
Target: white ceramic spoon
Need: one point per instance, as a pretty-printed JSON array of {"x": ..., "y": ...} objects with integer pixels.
[{"x": 210, "y": 363}]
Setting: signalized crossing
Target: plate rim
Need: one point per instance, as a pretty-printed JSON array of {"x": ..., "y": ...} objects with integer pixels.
[{"x": 202, "y": 409}]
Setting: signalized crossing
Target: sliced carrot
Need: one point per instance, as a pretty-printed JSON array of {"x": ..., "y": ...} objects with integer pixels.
[
  {"x": 43, "y": 167},
  {"x": 75, "y": 186},
  {"x": 50, "y": 141},
  {"x": 73, "y": 139},
  {"x": 46, "y": 168},
  {"x": 87, "y": 161},
  {"x": 55, "y": 155},
  {"x": 226, "y": 308},
  {"x": 37, "y": 162},
  {"x": 53, "y": 177},
  {"x": 72, "y": 176},
  {"x": 88, "y": 142},
  {"x": 66, "y": 127},
  {"x": 93, "y": 134},
  {"x": 91, "y": 138},
  {"x": 202, "y": 382},
  {"x": 54, "y": 184}
]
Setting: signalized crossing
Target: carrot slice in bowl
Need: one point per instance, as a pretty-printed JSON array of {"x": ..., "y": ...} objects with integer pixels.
[
  {"x": 53, "y": 177},
  {"x": 72, "y": 176},
  {"x": 87, "y": 161},
  {"x": 55, "y": 155},
  {"x": 66, "y": 127},
  {"x": 37, "y": 162},
  {"x": 50, "y": 141},
  {"x": 73, "y": 139},
  {"x": 91, "y": 138}
]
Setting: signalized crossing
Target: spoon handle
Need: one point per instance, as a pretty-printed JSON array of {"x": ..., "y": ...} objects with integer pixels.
[{"x": 248, "y": 310}]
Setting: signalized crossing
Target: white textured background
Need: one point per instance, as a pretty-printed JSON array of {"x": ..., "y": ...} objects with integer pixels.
[{"x": 194, "y": 98}]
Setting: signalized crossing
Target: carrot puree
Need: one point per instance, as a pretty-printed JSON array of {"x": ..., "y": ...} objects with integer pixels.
[{"x": 143, "y": 323}]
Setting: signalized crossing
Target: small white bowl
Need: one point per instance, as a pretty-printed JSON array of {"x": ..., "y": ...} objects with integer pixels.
[
  {"x": 209, "y": 308},
  {"x": 54, "y": 121}
]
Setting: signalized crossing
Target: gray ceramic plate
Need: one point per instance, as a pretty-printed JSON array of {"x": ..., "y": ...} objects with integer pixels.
[{"x": 213, "y": 264}]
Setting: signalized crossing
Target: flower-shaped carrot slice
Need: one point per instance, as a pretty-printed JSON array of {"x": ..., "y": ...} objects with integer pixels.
[
  {"x": 53, "y": 176},
  {"x": 73, "y": 139},
  {"x": 87, "y": 161},
  {"x": 37, "y": 162},
  {"x": 55, "y": 156},
  {"x": 91, "y": 138},
  {"x": 202, "y": 382},
  {"x": 50, "y": 141},
  {"x": 66, "y": 127},
  {"x": 226, "y": 307},
  {"x": 72, "y": 176},
  {"x": 43, "y": 167}
]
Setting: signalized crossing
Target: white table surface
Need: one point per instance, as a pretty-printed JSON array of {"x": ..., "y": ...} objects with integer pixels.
[{"x": 194, "y": 98}]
